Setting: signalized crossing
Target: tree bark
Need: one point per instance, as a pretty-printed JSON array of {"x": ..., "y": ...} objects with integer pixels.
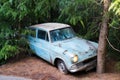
[{"x": 102, "y": 39}]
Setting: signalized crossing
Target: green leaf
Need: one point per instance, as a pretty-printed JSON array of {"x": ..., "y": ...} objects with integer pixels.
[{"x": 82, "y": 23}]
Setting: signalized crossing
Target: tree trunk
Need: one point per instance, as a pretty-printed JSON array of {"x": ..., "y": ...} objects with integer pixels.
[{"x": 102, "y": 39}]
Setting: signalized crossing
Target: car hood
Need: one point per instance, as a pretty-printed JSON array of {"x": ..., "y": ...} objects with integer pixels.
[
  {"x": 84, "y": 49},
  {"x": 76, "y": 45}
]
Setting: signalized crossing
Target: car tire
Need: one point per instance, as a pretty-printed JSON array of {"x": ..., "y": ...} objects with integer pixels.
[{"x": 61, "y": 66}]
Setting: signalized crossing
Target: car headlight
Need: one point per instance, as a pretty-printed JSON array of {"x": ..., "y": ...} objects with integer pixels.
[{"x": 75, "y": 58}]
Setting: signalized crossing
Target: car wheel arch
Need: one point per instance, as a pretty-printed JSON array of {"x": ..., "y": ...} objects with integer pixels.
[{"x": 56, "y": 60}]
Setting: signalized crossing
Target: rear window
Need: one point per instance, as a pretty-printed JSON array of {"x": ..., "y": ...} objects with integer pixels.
[{"x": 43, "y": 35}]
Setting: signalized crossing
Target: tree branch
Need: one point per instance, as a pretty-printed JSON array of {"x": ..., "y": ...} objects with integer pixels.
[
  {"x": 115, "y": 27},
  {"x": 112, "y": 45}
]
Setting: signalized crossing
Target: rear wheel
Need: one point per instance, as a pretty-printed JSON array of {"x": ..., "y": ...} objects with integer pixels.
[{"x": 61, "y": 66}]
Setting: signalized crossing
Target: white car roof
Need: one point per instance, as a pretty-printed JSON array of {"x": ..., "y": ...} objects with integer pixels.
[{"x": 50, "y": 26}]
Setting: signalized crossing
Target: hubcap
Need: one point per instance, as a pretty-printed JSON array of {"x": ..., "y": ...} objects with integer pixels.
[{"x": 61, "y": 67}]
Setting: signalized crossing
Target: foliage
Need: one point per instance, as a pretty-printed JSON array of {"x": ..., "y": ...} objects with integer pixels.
[
  {"x": 85, "y": 14},
  {"x": 114, "y": 34},
  {"x": 15, "y": 15},
  {"x": 11, "y": 44},
  {"x": 114, "y": 38},
  {"x": 115, "y": 7},
  {"x": 7, "y": 51},
  {"x": 118, "y": 66},
  {"x": 114, "y": 10}
]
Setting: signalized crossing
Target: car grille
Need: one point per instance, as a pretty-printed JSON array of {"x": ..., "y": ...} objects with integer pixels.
[
  {"x": 86, "y": 61},
  {"x": 89, "y": 60}
]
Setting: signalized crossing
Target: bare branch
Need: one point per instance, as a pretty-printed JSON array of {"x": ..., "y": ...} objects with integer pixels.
[
  {"x": 115, "y": 27},
  {"x": 112, "y": 45}
]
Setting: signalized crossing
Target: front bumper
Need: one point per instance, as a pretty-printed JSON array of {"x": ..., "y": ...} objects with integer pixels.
[{"x": 81, "y": 66}]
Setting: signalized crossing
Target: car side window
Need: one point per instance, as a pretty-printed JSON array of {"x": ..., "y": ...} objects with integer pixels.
[
  {"x": 43, "y": 35},
  {"x": 32, "y": 32}
]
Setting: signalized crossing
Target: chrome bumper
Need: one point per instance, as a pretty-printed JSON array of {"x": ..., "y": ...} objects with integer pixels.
[{"x": 87, "y": 66}]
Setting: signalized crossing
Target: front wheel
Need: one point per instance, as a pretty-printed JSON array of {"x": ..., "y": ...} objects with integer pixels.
[{"x": 61, "y": 66}]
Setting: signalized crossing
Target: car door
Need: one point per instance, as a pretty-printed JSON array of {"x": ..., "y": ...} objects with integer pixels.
[{"x": 42, "y": 44}]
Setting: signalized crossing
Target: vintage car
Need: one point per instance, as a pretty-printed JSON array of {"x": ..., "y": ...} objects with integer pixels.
[{"x": 58, "y": 44}]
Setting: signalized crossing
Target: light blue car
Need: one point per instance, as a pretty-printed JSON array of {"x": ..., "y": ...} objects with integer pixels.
[{"x": 58, "y": 44}]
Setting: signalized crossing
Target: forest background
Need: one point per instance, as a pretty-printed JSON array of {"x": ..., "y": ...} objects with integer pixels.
[{"x": 85, "y": 16}]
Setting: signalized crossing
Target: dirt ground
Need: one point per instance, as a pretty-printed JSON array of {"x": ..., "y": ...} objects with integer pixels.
[{"x": 37, "y": 69}]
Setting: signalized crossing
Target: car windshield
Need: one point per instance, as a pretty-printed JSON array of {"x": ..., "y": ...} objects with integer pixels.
[{"x": 61, "y": 34}]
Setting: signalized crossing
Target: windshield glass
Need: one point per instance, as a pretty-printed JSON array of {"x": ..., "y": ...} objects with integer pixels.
[{"x": 61, "y": 34}]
